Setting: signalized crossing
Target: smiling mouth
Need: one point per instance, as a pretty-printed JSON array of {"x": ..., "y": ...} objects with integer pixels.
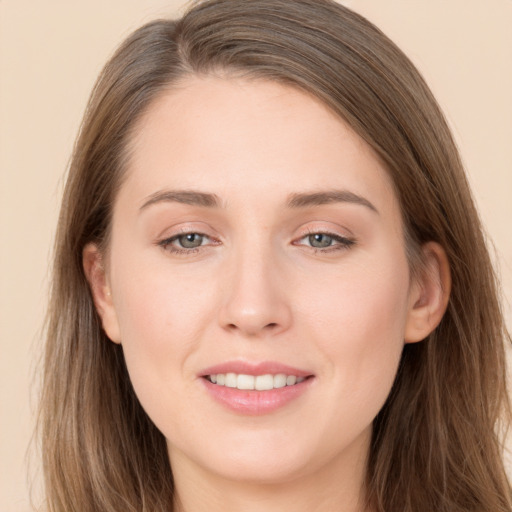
[{"x": 254, "y": 382}]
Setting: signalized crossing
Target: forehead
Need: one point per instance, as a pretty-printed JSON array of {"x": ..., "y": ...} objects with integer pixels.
[{"x": 243, "y": 138}]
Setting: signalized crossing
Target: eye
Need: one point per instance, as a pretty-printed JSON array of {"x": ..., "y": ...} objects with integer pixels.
[
  {"x": 190, "y": 240},
  {"x": 185, "y": 242},
  {"x": 325, "y": 242},
  {"x": 320, "y": 240}
]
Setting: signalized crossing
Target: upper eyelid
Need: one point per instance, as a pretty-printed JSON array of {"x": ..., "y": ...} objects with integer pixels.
[
  {"x": 207, "y": 231},
  {"x": 189, "y": 232},
  {"x": 175, "y": 236},
  {"x": 183, "y": 230},
  {"x": 306, "y": 232},
  {"x": 326, "y": 231},
  {"x": 344, "y": 240}
]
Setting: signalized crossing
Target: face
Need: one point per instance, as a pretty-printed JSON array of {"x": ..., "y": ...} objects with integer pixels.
[{"x": 257, "y": 242}]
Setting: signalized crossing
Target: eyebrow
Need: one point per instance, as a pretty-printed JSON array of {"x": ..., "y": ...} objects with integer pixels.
[
  {"x": 297, "y": 200},
  {"x": 303, "y": 200},
  {"x": 190, "y": 197}
]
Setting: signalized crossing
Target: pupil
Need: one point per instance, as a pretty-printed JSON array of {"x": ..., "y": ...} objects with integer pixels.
[
  {"x": 191, "y": 240},
  {"x": 320, "y": 240}
]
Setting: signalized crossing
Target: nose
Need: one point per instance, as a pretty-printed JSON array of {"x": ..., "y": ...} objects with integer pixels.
[{"x": 255, "y": 299}]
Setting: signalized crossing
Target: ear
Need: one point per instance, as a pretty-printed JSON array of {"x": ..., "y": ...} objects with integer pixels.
[
  {"x": 429, "y": 294},
  {"x": 100, "y": 289}
]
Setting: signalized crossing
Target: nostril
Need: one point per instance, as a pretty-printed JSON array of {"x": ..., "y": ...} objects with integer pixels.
[{"x": 268, "y": 327}]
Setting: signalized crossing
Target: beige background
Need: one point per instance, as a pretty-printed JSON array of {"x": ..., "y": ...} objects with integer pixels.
[{"x": 50, "y": 54}]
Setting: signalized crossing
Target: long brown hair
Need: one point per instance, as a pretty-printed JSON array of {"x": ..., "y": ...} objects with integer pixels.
[{"x": 436, "y": 445}]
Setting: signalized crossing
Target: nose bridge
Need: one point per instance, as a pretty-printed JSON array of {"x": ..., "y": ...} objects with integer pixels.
[{"x": 254, "y": 300}]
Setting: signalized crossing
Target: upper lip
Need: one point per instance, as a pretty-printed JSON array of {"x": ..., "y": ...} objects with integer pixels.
[{"x": 252, "y": 368}]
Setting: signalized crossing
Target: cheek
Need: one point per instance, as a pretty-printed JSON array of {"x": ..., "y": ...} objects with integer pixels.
[
  {"x": 162, "y": 318},
  {"x": 358, "y": 321}
]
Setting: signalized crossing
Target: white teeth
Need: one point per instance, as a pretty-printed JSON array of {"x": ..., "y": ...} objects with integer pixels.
[
  {"x": 259, "y": 383},
  {"x": 245, "y": 381},
  {"x": 280, "y": 380},
  {"x": 264, "y": 382},
  {"x": 291, "y": 380},
  {"x": 230, "y": 381}
]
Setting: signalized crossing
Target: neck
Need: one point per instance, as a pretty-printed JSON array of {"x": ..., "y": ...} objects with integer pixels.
[{"x": 338, "y": 485}]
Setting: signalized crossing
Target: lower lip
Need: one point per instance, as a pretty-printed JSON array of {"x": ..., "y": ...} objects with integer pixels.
[{"x": 253, "y": 402}]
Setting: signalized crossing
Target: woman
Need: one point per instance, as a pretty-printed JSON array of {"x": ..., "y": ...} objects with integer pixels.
[{"x": 271, "y": 288}]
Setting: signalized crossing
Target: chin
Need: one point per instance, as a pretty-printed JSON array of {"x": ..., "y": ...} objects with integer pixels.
[
  {"x": 265, "y": 457},
  {"x": 279, "y": 468},
  {"x": 273, "y": 456}
]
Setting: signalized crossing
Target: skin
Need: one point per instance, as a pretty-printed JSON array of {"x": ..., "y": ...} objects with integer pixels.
[{"x": 256, "y": 290}]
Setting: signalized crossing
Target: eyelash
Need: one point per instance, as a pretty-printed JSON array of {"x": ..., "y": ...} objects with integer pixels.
[
  {"x": 166, "y": 244},
  {"x": 342, "y": 243}
]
